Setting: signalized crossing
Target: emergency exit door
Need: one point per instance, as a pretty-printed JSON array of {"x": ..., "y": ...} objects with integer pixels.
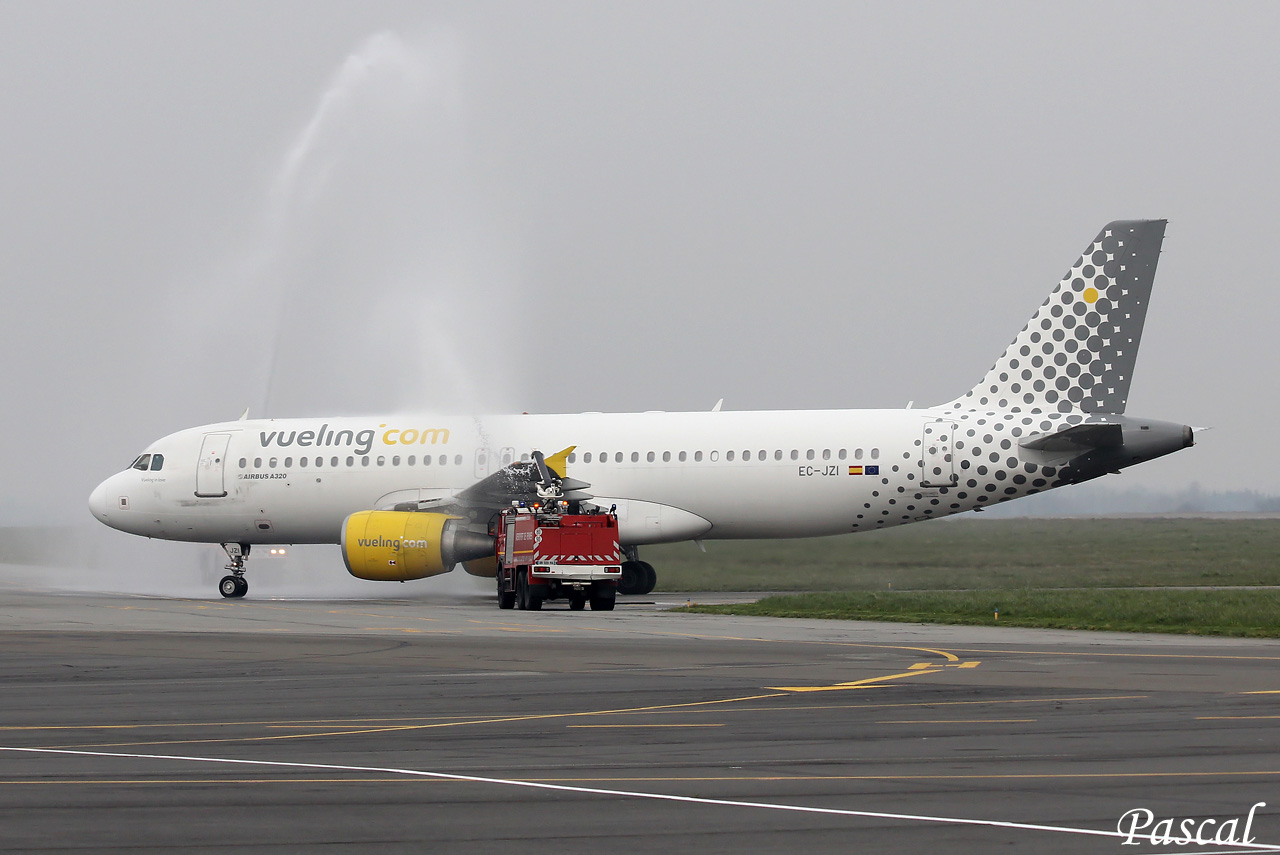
[
  {"x": 210, "y": 469},
  {"x": 937, "y": 453}
]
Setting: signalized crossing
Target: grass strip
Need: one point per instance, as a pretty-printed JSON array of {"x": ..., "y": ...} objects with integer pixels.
[
  {"x": 1247, "y": 613},
  {"x": 969, "y": 553}
]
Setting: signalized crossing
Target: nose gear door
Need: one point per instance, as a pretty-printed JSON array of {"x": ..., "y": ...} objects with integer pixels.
[
  {"x": 209, "y": 471},
  {"x": 937, "y": 455}
]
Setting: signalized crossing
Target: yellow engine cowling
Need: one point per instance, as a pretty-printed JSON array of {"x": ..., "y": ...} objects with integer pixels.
[{"x": 395, "y": 546}]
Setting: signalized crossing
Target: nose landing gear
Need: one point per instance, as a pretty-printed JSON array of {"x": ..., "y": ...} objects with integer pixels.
[{"x": 234, "y": 587}]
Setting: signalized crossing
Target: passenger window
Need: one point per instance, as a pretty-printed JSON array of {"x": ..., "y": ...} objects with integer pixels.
[
  {"x": 635, "y": 457},
  {"x": 843, "y": 454},
  {"x": 808, "y": 455},
  {"x": 875, "y": 454},
  {"x": 303, "y": 462},
  {"x": 257, "y": 463},
  {"x": 728, "y": 455},
  {"x": 795, "y": 454},
  {"x": 650, "y": 456},
  {"x": 413, "y": 458},
  {"x": 764, "y": 455},
  {"x": 586, "y": 458},
  {"x": 666, "y": 457},
  {"x": 777, "y": 455},
  {"x": 288, "y": 463},
  {"x": 272, "y": 463},
  {"x": 457, "y": 460},
  {"x": 382, "y": 461},
  {"x": 142, "y": 463},
  {"x": 351, "y": 461},
  {"x": 714, "y": 456},
  {"x": 617, "y": 458},
  {"x": 683, "y": 457},
  {"x": 857, "y": 454},
  {"x": 333, "y": 462},
  {"x": 697, "y": 457},
  {"x": 826, "y": 454},
  {"x": 243, "y": 462},
  {"x": 364, "y": 461},
  {"x": 573, "y": 457}
]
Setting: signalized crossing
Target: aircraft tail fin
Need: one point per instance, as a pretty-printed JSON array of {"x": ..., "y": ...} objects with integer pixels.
[{"x": 1077, "y": 352}]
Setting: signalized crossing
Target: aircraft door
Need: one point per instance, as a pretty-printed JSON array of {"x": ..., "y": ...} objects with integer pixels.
[
  {"x": 937, "y": 453},
  {"x": 209, "y": 471}
]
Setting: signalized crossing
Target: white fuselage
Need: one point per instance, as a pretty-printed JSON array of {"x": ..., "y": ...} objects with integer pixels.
[{"x": 674, "y": 476}]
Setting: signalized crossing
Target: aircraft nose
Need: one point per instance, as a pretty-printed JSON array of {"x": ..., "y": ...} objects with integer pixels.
[{"x": 98, "y": 502}]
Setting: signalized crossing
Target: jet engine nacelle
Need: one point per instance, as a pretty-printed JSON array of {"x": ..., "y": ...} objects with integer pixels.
[{"x": 395, "y": 546}]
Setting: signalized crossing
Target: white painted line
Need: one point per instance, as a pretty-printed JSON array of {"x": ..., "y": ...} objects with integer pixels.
[{"x": 666, "y": 797}]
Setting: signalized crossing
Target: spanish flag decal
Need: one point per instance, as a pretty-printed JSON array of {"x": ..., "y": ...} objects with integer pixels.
[{"x": 855, "y": 470}]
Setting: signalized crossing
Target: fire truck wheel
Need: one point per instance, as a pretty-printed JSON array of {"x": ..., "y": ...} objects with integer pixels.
[
  {"x": 535, "y": 600},
  {"x": 522, "y": 591},
  {"x": 650, "y": 578},
  {"x": 602, "y": 601},
  {"x": 631, "y": 580},
  {"x": 577, "y": 604},
  {"x": 506, "y": 600}
]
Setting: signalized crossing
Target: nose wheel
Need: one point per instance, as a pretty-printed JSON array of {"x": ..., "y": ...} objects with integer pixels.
[{"x": 234, "y": 586}]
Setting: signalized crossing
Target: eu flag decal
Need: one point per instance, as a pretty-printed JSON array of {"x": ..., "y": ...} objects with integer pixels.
[{"x": 873, "y": 470}]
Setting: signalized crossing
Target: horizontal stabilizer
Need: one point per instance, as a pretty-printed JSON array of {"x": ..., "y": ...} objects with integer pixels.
[{"x": 1077, "y": 438}]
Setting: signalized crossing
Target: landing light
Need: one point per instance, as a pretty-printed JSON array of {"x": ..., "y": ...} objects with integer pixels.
[{"x": 280, "y": 551}]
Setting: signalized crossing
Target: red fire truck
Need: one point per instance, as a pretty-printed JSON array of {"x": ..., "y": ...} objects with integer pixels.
[{"x": 549, "y": 555}]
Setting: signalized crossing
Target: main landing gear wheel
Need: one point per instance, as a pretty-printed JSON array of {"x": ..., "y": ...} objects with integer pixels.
[
  {"x": 637, "y": 577},
  {"x": 233, "y": 587},
  {"x": 650, "y": 577},
  {"x": 631, "y": 579}
]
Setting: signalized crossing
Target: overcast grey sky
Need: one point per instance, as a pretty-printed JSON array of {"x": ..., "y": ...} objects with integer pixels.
[{"x": 314, "y": 208}]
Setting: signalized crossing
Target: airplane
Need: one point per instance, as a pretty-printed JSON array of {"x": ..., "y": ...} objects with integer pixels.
[{"x": 408, "y": 496}]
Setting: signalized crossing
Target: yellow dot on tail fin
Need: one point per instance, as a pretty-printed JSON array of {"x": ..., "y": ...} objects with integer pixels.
[{"x": 1091, "y": 295}]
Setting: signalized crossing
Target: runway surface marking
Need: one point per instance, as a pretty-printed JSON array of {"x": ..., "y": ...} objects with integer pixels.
[
  {"x": 667, "y": 797},
  {"x": 408, "y": 727},
  {"x": 330, "y": 723},
  {"x": 866, "y": 683},
  {"x": 667, "y": 779}
]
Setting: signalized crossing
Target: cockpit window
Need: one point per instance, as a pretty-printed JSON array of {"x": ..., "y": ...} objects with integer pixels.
[
  {"x": 157, "y": 462},
  {"x": 142, "y": 462}
]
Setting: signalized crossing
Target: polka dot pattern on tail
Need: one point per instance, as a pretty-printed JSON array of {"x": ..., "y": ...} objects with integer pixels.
[{"x": 1076, "y": 354}]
